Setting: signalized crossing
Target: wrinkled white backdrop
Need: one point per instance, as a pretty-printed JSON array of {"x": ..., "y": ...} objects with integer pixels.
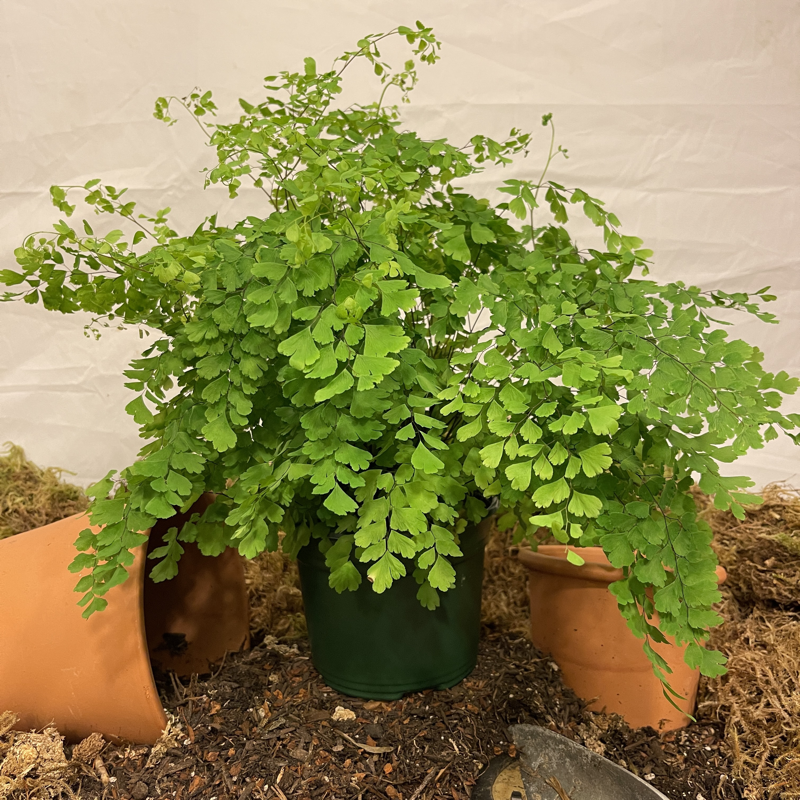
[{"x": 684, "y": 116}]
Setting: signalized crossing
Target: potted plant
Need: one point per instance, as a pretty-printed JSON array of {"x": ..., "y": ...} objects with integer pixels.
[{"x": 362, "y": 370}]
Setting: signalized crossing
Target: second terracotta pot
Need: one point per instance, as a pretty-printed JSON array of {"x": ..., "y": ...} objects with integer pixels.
[
  {"x": 575, "y": 618},
  {"x": 95, "y": 675}
]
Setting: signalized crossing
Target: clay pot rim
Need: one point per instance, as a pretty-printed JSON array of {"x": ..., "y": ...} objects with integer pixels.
[{"x": 551, "y": 559}]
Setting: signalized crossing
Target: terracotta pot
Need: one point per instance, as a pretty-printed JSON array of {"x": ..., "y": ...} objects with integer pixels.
[
  {"x": 575, "y": 618},
  {"x": 96, "y": 675}
]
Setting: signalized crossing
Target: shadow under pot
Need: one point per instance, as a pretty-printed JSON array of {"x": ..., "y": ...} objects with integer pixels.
[
  {"x": 576, "y": 620},
  {"x": 96, "y": 675},
  {"x": 382, "y": 646}
]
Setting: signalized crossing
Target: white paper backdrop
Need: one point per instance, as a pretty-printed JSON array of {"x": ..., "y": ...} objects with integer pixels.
[{"x": 684, "y": 116}]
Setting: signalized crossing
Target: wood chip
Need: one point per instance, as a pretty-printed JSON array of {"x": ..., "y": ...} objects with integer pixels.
[{"x": 366, "y": 747}]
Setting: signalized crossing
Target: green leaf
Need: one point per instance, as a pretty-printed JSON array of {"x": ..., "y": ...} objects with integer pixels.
[
  {"x": 546, "y": 409},
  {"x": 571, "y": 374},
  {"x": 405, "y": 433},
  {"x": 339, "y": 552},
  {"x": 188, "y": 462},
  {"x": 518, "y": 208},
  {"x": 211, "y": 366},
  {"x": 481, "y": 234},
  {"x": 384, "y": 572},
  {"x": 340, "y": 384},
  {"x": 470, "y": 430},
  {"x": 396, "y": 297},
  {"x": 457, "y": 248},
  {"x": 619, "y": 551},
  {"x": 10, "y": 278},
  {"x": 442, "y": 575},
  {"x": 380, "y": 340},
  {"x": 154, "y": 465},
  {"x": 467, "y": 298},
  {"x": 401, "y": 544},
  {"x": 107, "y": 512},
  {"x": 301, "y": 349},
  {"x": 428, "y": 596},
  {"x": 520, "y": 475},
  {"x": 573, "y": 468},
  {"x": 543, "y": 468},
  {"x": 160, "y": 507},
  {"x": 424, "y": 460},
  {"x": 711, "y": 663},
  {"x": 513, "y": 400},
  {"x": 428, "y": 280},
  {"x": 547, "y": 313},
  {"x": 595, "y": 460},
  {"x": 264, "y": 316},
  {"x": 220, "y": 434},
  {"x": 573, "y": 423},
  {"x": 273, "y": 271},
  {"x": 345, "y": 578},
  {"x": 530, "y": 431},
  {"x": 551, "y": 342},
  {"x": 603, "y": 419},
  {"x": 371, "y": 370},
  {"x": 178, "y": 483},
  {"x": 96, "y": 604},
  {"x": 325, "y": 366},
  {"x": 169, "y": 554},
  {"x": 81, "y": 562},
  {"x": 339, "y": 502},
  {"x": 354, "y": 456},
  {"x": 638, "y": 509},
  {"x": 585, "y": 505},
  {"x": 445, "y": 543},
  {"x": 409, "y": 519},
  {"x": 139, "y": 411},
  {"x": 252, "y": 538},
  {"x": 575, "y": 559},
  {"x": 558, "y": 454},
  {"x": 491, "y": 454},
  {"x": 551, "y": 493}
]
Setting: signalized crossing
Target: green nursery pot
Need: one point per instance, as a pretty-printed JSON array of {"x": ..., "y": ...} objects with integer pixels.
[{"x": 382, "y": 646}]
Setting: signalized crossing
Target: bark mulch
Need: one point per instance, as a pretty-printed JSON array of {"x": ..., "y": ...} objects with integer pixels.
[{"x": 266, "y": 726}]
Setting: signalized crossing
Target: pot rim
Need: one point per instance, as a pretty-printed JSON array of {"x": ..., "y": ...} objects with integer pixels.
[{"x": 551, "y": 559}]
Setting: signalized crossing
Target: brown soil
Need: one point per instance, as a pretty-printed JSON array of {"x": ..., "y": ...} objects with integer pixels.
[{"x": 266, "y": 726}]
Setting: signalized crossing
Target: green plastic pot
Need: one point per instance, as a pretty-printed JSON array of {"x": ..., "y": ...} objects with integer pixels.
[{"x": 382, "y": 646}]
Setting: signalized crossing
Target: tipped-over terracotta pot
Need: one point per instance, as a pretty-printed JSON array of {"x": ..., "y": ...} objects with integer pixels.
[
  {"x": 96, "y": 675},
  {"x": 575, "y": 618}
]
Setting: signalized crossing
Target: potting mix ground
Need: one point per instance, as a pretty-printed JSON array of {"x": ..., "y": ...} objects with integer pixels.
[{"x": 264, "y": 725}]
